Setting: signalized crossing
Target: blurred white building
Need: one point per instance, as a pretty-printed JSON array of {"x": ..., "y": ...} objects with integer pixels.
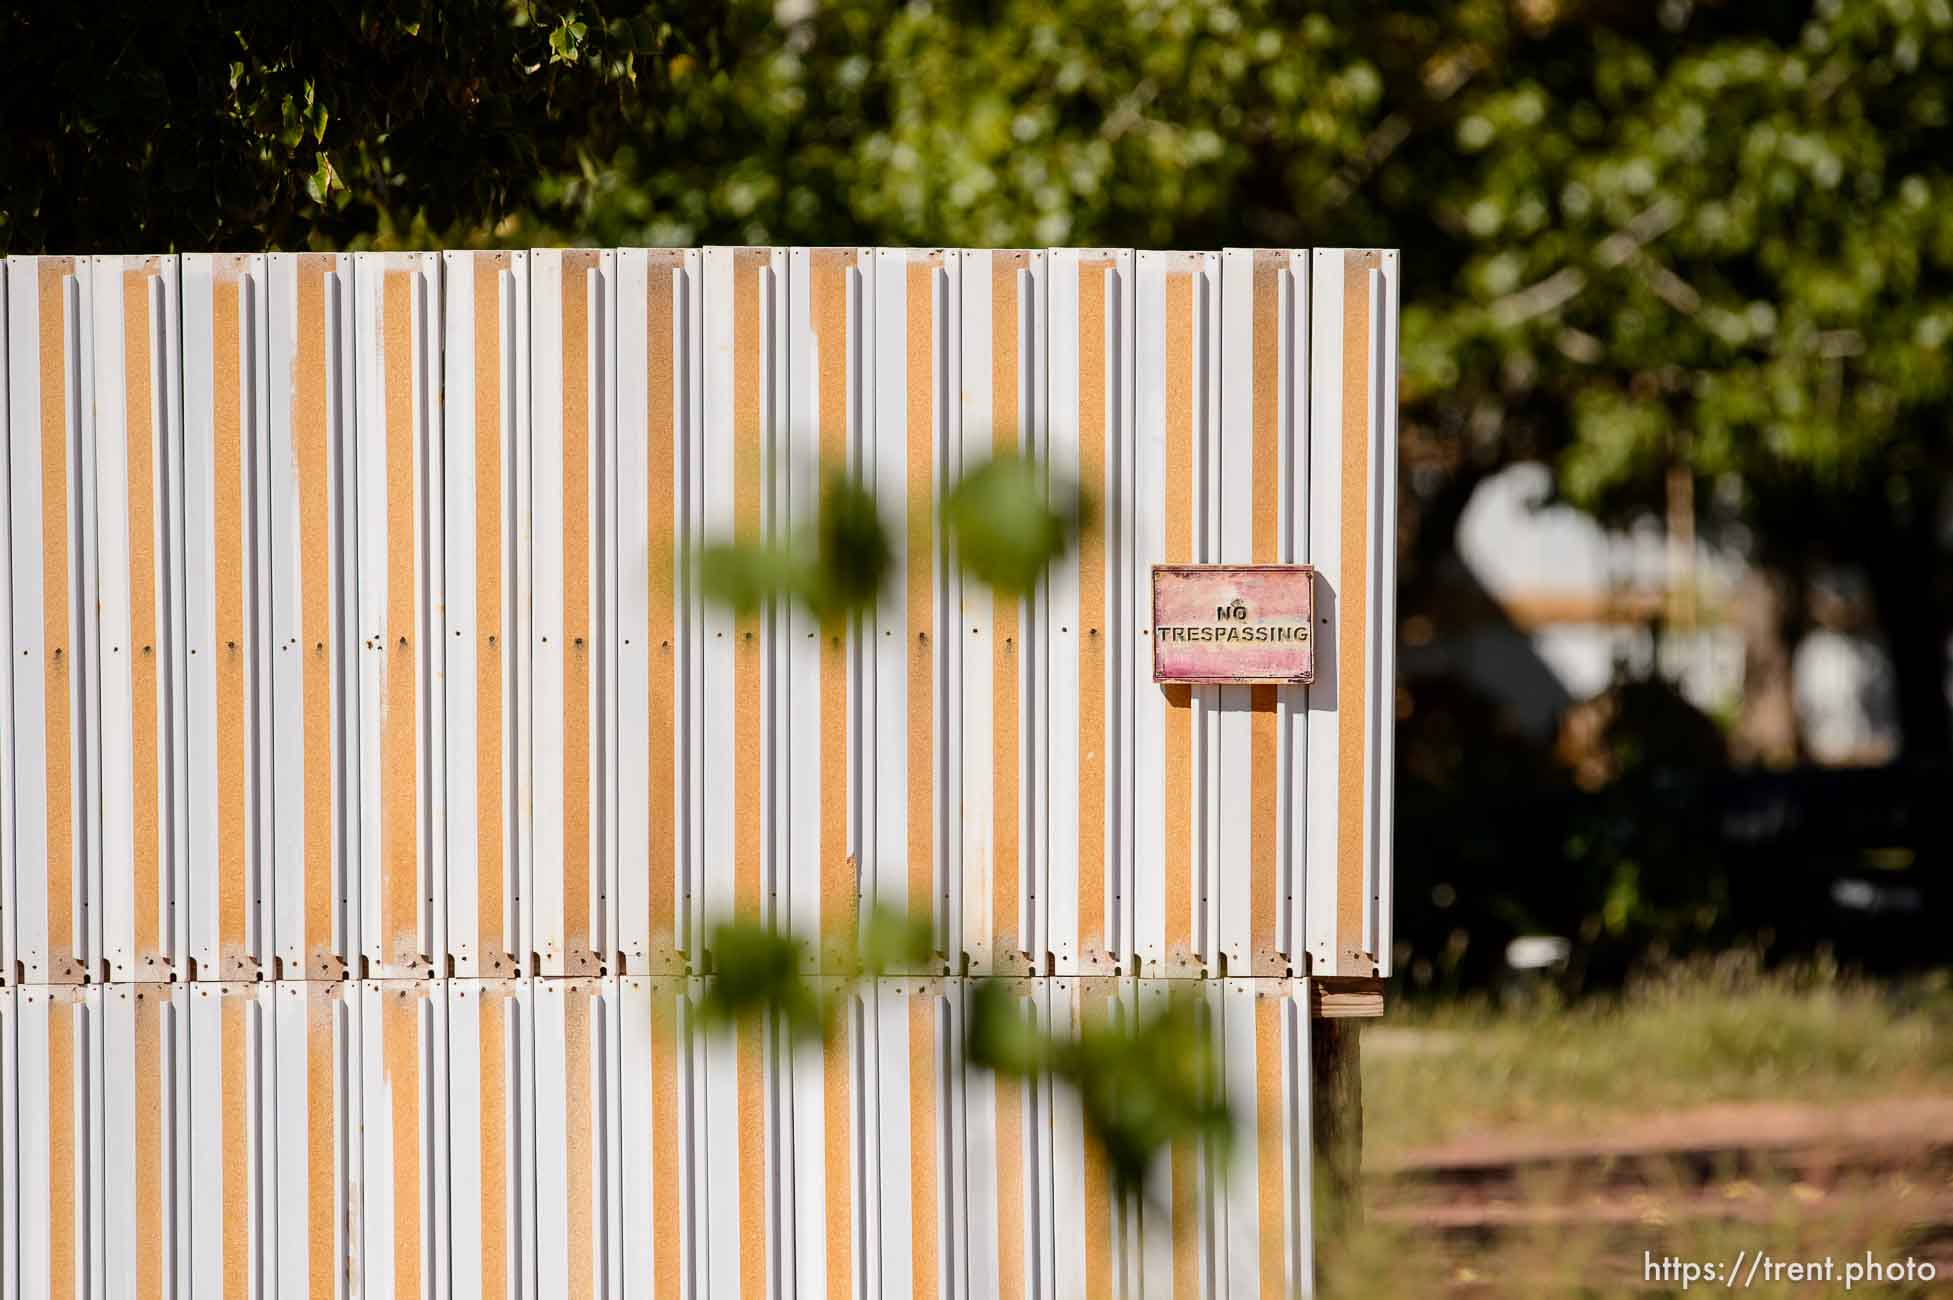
[{"x": 1569, "y": 606}]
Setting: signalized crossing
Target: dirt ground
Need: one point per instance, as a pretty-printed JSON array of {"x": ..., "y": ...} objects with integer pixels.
[{"x": 1510, "y": 1212}]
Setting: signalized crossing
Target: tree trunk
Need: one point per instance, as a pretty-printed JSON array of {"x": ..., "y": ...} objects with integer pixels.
[
  {"x": 1764, "y": 612},
  {"x": 1907, "y": 591}
]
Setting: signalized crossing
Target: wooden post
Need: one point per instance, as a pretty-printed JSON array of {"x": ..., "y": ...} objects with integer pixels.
[{"x": 1336, "y": 1124}]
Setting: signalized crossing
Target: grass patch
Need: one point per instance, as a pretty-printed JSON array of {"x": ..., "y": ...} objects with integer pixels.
[{"x": 1694, "y": 1033}]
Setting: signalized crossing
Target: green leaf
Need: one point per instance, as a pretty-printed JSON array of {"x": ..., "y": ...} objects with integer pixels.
[
  {"x": 834, "y": 570},
  {"x": 1008, "y": 524},
  {"x": 891, "y": 941},
  {"x": 320, "y": 181},
  {"x": 852, "y": 550},
  {"x": 745, "y": 575},
  {"x": 1002, "y": 1032},
  {"x": 1142, "y": 1086},
  {"x": 566, "y": 42},
  {"x": 756, "y": 970}
]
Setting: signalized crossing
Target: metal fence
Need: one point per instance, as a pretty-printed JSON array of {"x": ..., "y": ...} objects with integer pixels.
[{"x": 375, "y": 771}]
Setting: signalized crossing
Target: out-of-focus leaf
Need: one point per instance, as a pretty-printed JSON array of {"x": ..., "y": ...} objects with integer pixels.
[
  {"x": 1002, "y": 1032},
  {"x": 852, "y": 549},
  {"x": 891, "y": 941},
  {"x": 833, "y": 569},
  {"x": 1141, "y": 1087},
  {"x": 1008, "y": 523},
  {"x": 1144, "y": 1087},
  {"x": 756, "y": 970},
  {"x": 745, "y": 575}
]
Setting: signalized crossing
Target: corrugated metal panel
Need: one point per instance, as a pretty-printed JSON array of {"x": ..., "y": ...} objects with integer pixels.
[
  {"x": 484, "y": 423},
  {"x": 658, "y": 412},
  {"x": 136, "y": 318},
  {"x": 313, "y": 1241},
  {"x": 1002, "y": 412},
  {"x": 374, "y": 769},
  {"x": 396, "y": 529},
  {"x": 568, "y": 1137},
  {"x": 1352, "y": 533},
  {"x": 310, "y": 559},
  {"x": 1178, "y": 894},
  {"x": 50, "y": 471}
]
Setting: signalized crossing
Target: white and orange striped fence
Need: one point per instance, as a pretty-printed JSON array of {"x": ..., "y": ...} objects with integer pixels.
[{"x": 374, "y": 770}]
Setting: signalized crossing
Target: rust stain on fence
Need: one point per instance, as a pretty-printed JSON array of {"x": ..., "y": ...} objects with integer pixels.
[
  {"x": 1181, "y": 304},
  {"x": 1007, "y": 436},
  {"x": 314, "y": 459},
  {"x": 227, "y": 495},
  {"x": 839, "y": 890},
  {"x": 920, "y": 569},
  {"x": 1353, "y": 613},
  {"x": 1094, "y": 474},
  {"x": 495, "y": 945},
  {"x": 663, "y": 451},
  {"x": 63, "y": 938},
  {"x": 145, "y": 661}
]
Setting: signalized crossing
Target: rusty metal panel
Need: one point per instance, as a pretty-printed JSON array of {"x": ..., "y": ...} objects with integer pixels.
[
  {"x": 1087, "y": 685},
  {"x": 917, "y": 1057},
  {"x": 135, "y": 319},
  {"x": 49, "y": 1173},
  {"x": 831, "y": 361},
  {"x": 659, "y": 405},
  {"x": 50, "y": 465},
  {"x": 313, "y": 1232},
  {"x": 567, "y": 507},
  {"x": 9, "y": 850},
  {"x": 1001, "y": 1187},
  {"x": 486, "y": 1194},
  {"x": 484, "y": 412},
  {"x": 313, "y": 702},
  {"x": 1002, "y": 397},
  {"x": 400, "y": 826},
  {"x": 9, "y": 1149},
  {"x": 1351, "y": 530},
  {"x": 909, "y": 862},
  {"x": 740, "y": 750},
  {"x": 1264, "y": 1189},
  {"x": 656, "y": 1169},
  {"x": 1260, "y": 501},
  {"x": 143, "y": 1186},
  {"x": 570, "y": 1055},
  {"x": 1176, "y": 412},
  {"x": 226, "y": 1144},
  {"x": 358, "y": 681},
  {"x": 403, "y": 1096},
  {"x": 216, "y": 649}
]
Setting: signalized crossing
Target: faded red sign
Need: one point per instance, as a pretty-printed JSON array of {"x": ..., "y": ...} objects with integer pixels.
[{"x": 1234, "y": 623}]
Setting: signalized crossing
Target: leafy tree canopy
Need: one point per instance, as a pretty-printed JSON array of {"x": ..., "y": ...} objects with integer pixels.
[{"x": 1641, "y": 239}]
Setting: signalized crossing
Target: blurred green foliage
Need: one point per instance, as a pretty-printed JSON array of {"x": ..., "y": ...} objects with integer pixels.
[
  {"x": 1689, "y": 244},
  {"x": 1686, "y": 234},
  {"x": 1145, "y": 1084},
  {"x": 757, "y": 969},
  {"x": 223, "y": 124},
  {"x": 1004, "y": 526},
  {"x": 997, "y": 516},
  {"x": 834, "y": 569}
]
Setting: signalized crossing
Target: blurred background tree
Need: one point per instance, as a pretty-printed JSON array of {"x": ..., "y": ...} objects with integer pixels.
[{"x": 1691, "y": 257}]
